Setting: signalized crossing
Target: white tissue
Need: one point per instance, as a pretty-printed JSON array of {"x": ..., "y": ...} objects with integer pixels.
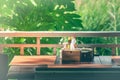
[{"x": 72, "y": 44}]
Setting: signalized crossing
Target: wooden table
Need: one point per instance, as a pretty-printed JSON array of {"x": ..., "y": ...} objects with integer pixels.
[{"x": 45, "y": 68}]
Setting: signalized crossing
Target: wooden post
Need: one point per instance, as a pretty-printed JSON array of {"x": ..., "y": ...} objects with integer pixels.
[
  {"x": 54, "y": 51},
  {"x": 21, "y": 50},
  {"x": 38, "y": 45},
  {"x": 113, "y": 51}
]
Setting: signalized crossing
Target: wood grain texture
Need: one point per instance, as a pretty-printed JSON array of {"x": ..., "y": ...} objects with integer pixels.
[{"x": 32, "y": 60}]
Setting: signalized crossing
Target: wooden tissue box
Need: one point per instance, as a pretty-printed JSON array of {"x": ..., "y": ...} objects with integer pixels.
[{"x": 70, "y": 56}]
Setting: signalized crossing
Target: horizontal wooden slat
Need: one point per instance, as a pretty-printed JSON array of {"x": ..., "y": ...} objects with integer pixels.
[
  {"x": 59, "y": 33},
  {"x": 30, "y": 45},
  {"x": 58, "y": 45}
]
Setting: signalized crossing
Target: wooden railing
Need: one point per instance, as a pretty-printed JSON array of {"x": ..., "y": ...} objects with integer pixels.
[{"x": 40, "y": 34}]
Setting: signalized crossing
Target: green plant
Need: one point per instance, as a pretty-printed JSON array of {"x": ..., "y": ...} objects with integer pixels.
[
  {"x": 41, "y": 15},
  {"x": 100, "y": 15}
]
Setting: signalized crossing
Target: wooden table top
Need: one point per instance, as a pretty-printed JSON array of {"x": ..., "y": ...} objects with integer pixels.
[
  {"x": 50, "y": 60},
  {"x": 32, "y": 60}
]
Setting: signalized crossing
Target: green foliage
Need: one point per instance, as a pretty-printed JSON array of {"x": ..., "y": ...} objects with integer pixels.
[
  {"x": 40, "y": 15},
  {"x": 100, "y": 15},
  {"x": 47, "y": 15}
]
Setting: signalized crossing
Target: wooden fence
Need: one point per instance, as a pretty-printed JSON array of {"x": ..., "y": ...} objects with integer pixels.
[{"x": 40, "y": 34}]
